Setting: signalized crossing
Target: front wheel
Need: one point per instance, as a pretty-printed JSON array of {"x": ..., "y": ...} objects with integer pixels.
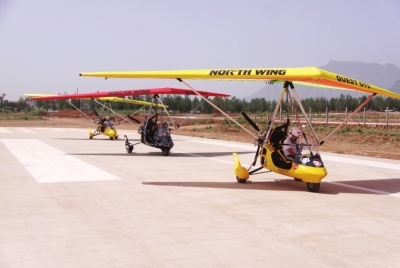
[
  {"x": 239, "y": 180},
  {"x": 313, "y": 187},
  {"x": 165, "y": 152}
]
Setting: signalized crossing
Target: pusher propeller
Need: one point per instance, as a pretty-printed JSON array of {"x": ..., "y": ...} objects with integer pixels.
[
  {"x": 134, "y": 119},
  {"x": 251, "y": 122},
  {"x": 258, "y": 141}
]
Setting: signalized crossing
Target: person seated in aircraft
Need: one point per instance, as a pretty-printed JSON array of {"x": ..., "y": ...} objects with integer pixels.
[
  {"x": 147, "y": 130},
  {"x": 155, "y": 130},
  {"x": 162, "y": 130},
  {"x": 107, "y": 123},
  {"x": 290, "y": 145}
]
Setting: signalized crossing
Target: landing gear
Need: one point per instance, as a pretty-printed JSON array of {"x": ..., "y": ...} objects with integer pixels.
[
  {"x": 239, "y": 180},
  {"x": 313, "y": 187},
  {"x": 129, "y": 149},
  {"x": 165, "y": 152},
  {"x": 128, "y": 146}
]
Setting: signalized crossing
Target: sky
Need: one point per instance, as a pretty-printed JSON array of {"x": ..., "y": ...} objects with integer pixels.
[{"x": 44, "y": 45}]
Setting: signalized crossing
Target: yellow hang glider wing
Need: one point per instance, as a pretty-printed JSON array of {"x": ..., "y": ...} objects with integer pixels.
[
  {"x": 116, "y": 99},
  {"x": 307, "y": 75},
  {"x": 38, "y": 95},
  {"x": 144, "y": 103}
]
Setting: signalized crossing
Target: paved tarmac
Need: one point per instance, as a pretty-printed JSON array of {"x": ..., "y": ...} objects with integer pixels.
[{"x": 67, "y": 201}]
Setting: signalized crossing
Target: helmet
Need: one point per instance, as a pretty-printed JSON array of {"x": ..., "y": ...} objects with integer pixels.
[
  {"x": 107, "y": 117},
  {"x": 294, "y": 131}
]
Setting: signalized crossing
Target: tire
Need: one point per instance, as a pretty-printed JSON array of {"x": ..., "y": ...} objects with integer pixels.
[
  {"x": 91, "y": 137},
  {"x": 313, "y": 187},
  {"x": 165, "y": 152},
  {"x": 129, "y": 148},
  {"x": 111, "y": 138},
  {"x": 239, "y": 180}
]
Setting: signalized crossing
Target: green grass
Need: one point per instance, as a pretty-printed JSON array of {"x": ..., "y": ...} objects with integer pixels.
[{"x": 32, "y": 115}]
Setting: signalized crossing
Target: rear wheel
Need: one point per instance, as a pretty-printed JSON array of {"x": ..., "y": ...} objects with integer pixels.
[
  {"x": 313, "y": 187},
  {"x": 239, "y": 180}
]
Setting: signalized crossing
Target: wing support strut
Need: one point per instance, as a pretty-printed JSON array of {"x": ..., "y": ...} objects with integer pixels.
[
  {"x": 115, "y": 113},
  {"x": 305, "y": 114},
  {"x": 213, "y": 105},
  {"x": 169, "y": 116},
  {"x": 351, "y": 115},
  {"x": 69, "y": 101},
  {"x": 191, "y": 112}
]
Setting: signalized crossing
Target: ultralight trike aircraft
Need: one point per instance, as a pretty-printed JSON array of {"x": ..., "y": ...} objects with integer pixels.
[
  {"x": 307, "y": 165},
  {"x": 103, "y": 127},
  {"x": 154, "y": 132}
]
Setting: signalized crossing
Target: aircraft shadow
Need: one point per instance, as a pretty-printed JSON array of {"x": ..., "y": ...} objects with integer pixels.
[
  {"x": 94, "y": 139},
  {"x": 102, "y": 139},
  {"x": 159, "y": 153},
  {"x": 196, "y": 154},
  {"x": 377, "y": 187}
]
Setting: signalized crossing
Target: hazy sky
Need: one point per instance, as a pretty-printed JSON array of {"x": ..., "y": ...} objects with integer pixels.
[{"x": 44, "y": 44}]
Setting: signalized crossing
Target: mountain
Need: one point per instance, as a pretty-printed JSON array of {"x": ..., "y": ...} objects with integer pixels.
[
  {"x": 386, "y": 76},
  {"x": 395, "y": 87}
]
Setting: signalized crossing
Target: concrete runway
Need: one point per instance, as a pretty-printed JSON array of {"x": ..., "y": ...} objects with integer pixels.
[{"x": 67, "y": 201}]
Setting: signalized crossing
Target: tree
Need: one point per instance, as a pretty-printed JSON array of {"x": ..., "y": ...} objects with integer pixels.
[
  {"x": 46, "y": 105},
  {"x": 21, "y": 103}
]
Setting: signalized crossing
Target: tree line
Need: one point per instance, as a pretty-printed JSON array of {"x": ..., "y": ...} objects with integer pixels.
[{"x": 185, "y": 104}]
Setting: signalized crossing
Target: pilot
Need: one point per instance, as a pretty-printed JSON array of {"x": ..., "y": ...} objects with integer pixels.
[
  {"x": 156, "y": 128},
  {"x": 290, "y": 144},
  {"x": 162, "y": 130},
  {"x": 107, "y": 123}
]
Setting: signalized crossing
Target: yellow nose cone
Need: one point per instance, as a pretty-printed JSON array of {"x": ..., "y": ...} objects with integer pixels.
[{"x": 240, "y": 171}]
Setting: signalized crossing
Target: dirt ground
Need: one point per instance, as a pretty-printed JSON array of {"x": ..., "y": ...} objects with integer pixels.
[{"x": 371, "y": 140}]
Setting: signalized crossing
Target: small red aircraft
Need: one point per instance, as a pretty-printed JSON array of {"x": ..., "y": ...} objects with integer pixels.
[{"x": 153, "y": 132}]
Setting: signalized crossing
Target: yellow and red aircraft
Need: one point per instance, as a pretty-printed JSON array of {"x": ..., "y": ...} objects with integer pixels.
[
  {"x": 148, "y": 128},
  {"x": 307, "y": 165}
]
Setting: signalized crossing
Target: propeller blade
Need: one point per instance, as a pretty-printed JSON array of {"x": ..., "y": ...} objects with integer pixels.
[
  {"x": 250, "y": 121},
  {"x": 134, "y": 119}
]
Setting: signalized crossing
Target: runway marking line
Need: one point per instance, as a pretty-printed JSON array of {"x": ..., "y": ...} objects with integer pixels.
[{"x": 48, "y": 164}]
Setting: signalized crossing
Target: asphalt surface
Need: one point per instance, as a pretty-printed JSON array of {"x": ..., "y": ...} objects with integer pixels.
[{"x": 67, "y": 201}]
